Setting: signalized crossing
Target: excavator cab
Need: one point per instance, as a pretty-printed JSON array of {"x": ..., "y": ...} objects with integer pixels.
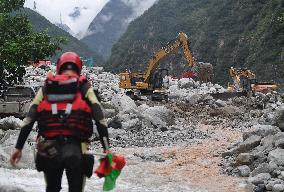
[
  {"x": 158, "y": 78},
  {"x": 129, "y": 80}
]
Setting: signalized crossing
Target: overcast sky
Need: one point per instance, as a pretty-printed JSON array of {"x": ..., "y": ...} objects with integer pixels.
[{"x": 51, "y": 9}]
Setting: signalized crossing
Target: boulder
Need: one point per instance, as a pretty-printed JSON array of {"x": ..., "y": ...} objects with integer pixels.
[
  {"x": 261, "y": 178},
  {"x": 262, "y": 168},
  {"x": 243, "y": 170},
  {"x": 272, "y": 165},
  {"x": 10, "y": 123},
  {"x": 220, "y": 103},
  {"x": 279, "y": 143},
  {"x": 115, "y": 123},
  {"x": 279, "y": 135},
  {"x": 124, "y": 103},
  {"x": 109, "y": 113},
  {"x": 277, "y": 155},
  {"x": 243, "y": 159},
  {"x": 249, "y": 144},
  {"x": 194, "y": 99},
  {"x": 132, "y": 124},
  {"x": 258, "y": 157},
  {"x": 267, "y": 143},
  {"x": 159, "y": 115},
  {"x": 279, "y": 118},
  {"x": 229, "y": 152},
  {"x": 278, "y": 188},
  {"x": 261, "y": 130},
  {"x": 272, "y": 182}
]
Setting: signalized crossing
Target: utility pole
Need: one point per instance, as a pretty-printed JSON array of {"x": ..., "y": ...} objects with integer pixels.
[
  {"x": 34, "y": 5},
  {"x": 61, "y": 19}
]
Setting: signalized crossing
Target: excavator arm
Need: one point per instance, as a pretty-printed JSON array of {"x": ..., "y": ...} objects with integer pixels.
[{"x": 171, "y": 47}]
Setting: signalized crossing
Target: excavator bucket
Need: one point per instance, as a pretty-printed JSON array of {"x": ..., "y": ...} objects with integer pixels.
[{"x": 227, "y": 95}]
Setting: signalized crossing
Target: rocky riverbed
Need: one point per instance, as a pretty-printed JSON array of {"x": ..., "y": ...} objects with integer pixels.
[{"x": 192, "y": 143}]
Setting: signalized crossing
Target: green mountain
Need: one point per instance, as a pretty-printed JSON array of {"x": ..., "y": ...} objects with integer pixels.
[
  {"x": 225, "y": 33},
  {"x": 40, "y": 23}
]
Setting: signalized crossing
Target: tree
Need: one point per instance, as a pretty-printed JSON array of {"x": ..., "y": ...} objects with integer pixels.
[{"x": 19, "y": 45}]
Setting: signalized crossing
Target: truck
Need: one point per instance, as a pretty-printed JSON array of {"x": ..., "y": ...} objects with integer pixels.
[
  {"x": 150, "y": 82},
  {"x": 16, "y": 100}
]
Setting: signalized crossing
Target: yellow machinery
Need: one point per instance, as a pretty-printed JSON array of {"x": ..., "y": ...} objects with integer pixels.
[
  {"x": 151, "y": 82},
  {"x": 249, "y": 84}
]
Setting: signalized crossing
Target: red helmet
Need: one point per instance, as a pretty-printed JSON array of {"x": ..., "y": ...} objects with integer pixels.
[{"x": 69, "y": 60}]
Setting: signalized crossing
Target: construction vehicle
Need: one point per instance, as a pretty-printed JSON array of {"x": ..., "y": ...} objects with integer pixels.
[
  {"x": 249, "y": 83},
  {"x": 245, "y": 84},
  {"x": 16, "y": 101},
  {"x": 151, "y": 82}
]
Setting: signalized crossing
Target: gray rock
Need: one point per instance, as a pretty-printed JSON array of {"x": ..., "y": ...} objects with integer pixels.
[
  {"x": 267, "y": 143},
  {"x": 279, "y": 118},
  {"x": 10, "y": 123},
  {"x": 243, "y": 159},
  {"x": 109, "y": 113},
  {"x": 243, "y": 170},
  {"x": 194, "y": 99},
  {"x": 279, "y": 135},
  {"x": 260, "y": 178},
  {"x": 249, "y": 144},
  {"x": 115, "y": 123},
  {"x": 6, "y": 188},
  {"x": 279, "y": 143},
  {"x": 229, "y": 152},
  {"x": 258, "y": 157},
  {"x": 246, "y": 186},
  {"x": 261, "y": 130},
  {"x": 277, "y": 156},
  {"x": 262, "y": 168},
  {"x": 272, "y": 165},
  {"x": 220, "y": 103},
  {"x": 132, "y": 124},
  {"x": 278, "y": 188},
  {"x": 272, "y": 182},
  {"x": 260, "y": 188},
  {"x": 158, "y": 115}
]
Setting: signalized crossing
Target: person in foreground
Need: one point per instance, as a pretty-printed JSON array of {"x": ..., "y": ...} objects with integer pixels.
[{"x": 64, "y": 109}]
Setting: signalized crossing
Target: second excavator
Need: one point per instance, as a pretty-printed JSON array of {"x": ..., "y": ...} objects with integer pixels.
[
  {"x": 249, "y": 84},
  {"x": 151, "y": 82},
  {"x": 244, "y": 84}
]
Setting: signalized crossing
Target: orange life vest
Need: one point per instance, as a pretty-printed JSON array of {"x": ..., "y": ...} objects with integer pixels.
[{"x": 63, "y": 110}]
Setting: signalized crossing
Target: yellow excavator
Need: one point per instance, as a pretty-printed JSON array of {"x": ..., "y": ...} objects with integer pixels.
[
  {"x": 244, "y": 84},
  {"x": 249, "y": 83},
  {"x": 151, "y": 82},
  {"x": 242, "y": 80}
]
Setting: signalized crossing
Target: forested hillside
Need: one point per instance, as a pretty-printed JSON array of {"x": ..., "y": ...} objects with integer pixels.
[
  {"x": 40, "y": 23},
  {"x": 225, "y": 33}
]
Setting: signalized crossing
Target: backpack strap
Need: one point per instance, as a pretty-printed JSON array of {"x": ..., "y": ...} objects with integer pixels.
[
  {"x": 54, "y": 109},
  {"x": 68, "y": 108}
]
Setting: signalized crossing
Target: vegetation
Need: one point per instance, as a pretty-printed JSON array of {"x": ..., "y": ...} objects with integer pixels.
[
  {"x": 19, "y": 44},
  {"x": 225, "y": 33}
]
